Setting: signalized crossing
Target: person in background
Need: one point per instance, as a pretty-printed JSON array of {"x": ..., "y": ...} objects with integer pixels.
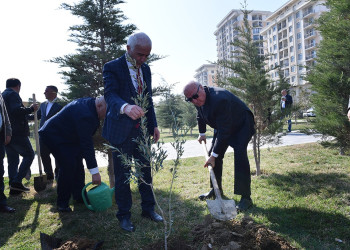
[
  {"x": 124, "y": 78},
  {"x": 20, "y": 143},
  {"x": 48, "y": 109},
  {"x": 286, "y": 107},
  {"x": 349, "y": 109},
  {"x": 5, "y": 138},
  {"x": 69, "y": 136},
  {"x": 233, "y": 125}
]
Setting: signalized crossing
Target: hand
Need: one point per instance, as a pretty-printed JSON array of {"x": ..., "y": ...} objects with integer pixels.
[
  {"x": 7, "y": 140},
  {"x": 133, "y": 111},
  {"x": 349, "y": 114},
  {"x": 210, "y": 161},
  {"x": 156, "y": 134},
  {"x": 202, "y": 138},
  {"x": 96, "y": 179},
  {"x": 35, "y": 106}
]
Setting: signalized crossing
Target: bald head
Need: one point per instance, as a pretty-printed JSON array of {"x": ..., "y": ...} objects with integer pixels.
[
  {"x": 190, "y": 87},
  {"x": 195, "y": 93}
]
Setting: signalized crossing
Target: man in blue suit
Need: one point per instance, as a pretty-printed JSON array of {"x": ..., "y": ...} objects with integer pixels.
[
  {"x": 68, "y": 135},
  {"x": 124, "y": 78},
  {"x": 48, "y": 109}
]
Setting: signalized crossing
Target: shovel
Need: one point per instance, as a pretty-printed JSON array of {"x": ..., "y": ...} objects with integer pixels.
[
  {"x": 220, "y": 209},
  {"x": 39, "y": 181}
]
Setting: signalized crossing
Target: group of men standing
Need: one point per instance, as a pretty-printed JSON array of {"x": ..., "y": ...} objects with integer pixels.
[{"x": 68, "y": 135}]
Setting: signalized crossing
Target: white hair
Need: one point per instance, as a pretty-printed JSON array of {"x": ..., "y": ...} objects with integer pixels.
[{"x": 139, "y": 39}]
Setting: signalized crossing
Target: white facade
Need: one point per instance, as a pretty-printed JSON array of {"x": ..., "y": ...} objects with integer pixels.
[
  {"x": 206, "y": 74},
  {"x": 226, "y": 34},
  {"x": 291, "y": 38}
]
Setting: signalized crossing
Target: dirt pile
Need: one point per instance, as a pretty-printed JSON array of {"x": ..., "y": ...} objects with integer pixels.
[{"x": 233, "y": 234}]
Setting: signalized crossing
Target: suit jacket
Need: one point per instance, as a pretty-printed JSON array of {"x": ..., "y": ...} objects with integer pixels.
[
  {"x": 18, "y": 114},
  {"x": 224, "y": 112},
  {"x": 6, "y": 129},
  {"x": 41, "y": 113},
  {"x": 119, "y": 90},
  {"x": 74, "y": 125},
  {"x": 289, "y": 102}
]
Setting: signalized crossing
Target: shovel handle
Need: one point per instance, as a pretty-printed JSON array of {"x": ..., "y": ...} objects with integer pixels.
[
  {"x": 212, "y": 175},
  {"x": 36, "y": 135}
]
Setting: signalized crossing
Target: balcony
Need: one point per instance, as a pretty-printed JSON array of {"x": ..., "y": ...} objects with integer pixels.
[
  {"x": 311, "y": 45},
  {"x": 307, "y": 24},
  {"x": 310, "y": 57},
  {"x": 309, "y": 34},
  {"x": 309, "y": 12}
]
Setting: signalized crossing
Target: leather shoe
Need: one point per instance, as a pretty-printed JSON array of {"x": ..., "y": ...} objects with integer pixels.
[
  {"x": 126, "y": 225},
  {"x": 6, "y": 209},
  {"x": 209, "y": 195},
  {"x": 152, "y": 216},
  {"x": 244, "y": 204},
  {"x": 64, "y": 209}
]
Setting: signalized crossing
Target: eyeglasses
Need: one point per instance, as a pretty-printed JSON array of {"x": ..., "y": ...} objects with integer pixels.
[{"x": 195, "y": 96}]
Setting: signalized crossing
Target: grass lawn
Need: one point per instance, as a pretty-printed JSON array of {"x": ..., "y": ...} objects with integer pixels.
[{"x": 303, "y": 195}]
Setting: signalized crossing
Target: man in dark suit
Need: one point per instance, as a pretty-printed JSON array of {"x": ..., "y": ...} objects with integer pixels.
[
  {"x": 5, "y": 138},
  {"x": 20, "y": 144},
  {"x": 69, "y": 136},
  {"x": 124, "y": 78},
  {"x": 286, "y": 107},
  {"x": 48, "y": 109},
  {"x": 234, "y": 126}
]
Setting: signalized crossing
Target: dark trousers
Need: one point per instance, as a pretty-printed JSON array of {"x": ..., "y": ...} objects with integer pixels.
[
  {"x": 46, "y": 160},
  {"x": 71, "y": 178},
  {"x": 239, "y": 142},
  {"x": 122, "y": 186},
  {"x": 2, "y": 172},
  {"x": 19, "y": 145}
]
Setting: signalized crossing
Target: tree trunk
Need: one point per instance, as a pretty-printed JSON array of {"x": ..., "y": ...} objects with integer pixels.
[
  {"x": 110, "y": 168},
  {"x": 256, "y": 151}
]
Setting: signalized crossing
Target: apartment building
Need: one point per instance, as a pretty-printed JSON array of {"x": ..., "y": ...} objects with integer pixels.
[
  {"x": 290, "y": 37},
  {"x": 226, "y": 33},
  {"x": 206, "y": 75}
]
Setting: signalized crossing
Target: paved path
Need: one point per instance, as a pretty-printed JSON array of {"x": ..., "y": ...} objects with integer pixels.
[{"x": 193, "y": 148}]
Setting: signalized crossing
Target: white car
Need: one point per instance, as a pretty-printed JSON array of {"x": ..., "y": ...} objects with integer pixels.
[{"x": 309, "y": 113}]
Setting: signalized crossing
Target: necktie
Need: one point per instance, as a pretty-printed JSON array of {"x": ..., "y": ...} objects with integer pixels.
[{"x": 139, "y": 81}]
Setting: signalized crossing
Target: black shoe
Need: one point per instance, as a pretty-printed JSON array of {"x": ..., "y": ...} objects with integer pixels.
[
  {"x": 152, "y": 216},
  {"x": 64, "y": 209},
  {"x": 209, "y": 195},
  {"x": 49, "y": 177},
  {"x": 15, "y": 192},
  {"x": 6, "y": 209},
  {"x": 244, "y": 204},
  {"x": 19, "y": 187},
  {"x": 126, "y": 225}
]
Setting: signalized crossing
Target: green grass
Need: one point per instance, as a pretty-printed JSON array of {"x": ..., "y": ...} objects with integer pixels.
[{"x": 303, "y": 195}]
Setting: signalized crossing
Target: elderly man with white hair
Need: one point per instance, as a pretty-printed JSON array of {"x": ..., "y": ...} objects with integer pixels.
[{"x": 124, "y": 79}]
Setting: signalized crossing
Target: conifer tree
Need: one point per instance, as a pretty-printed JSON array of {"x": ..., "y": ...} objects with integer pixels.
[
  {"x": 251, "y": 84},
  {"x": 330, "y": 77}
]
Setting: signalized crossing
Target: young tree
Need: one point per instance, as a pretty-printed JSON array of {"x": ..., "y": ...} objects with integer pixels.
[
  {"x": 250, "y": 83},
  {"x": 330, "y": 77}
]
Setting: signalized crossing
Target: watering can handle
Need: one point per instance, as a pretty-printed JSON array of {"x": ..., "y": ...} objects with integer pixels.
[
  {"x": 84, "y": 196},
  {"x": 212, "y": 175}
]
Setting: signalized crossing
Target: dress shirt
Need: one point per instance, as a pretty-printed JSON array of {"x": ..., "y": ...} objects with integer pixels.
[{"x": 49, "y": 105}]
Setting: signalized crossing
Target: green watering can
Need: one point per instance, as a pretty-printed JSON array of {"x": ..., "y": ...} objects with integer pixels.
[{"x": 100, "y": 197}]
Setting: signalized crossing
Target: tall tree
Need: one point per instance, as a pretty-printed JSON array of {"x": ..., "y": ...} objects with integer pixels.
[
  {"x": 250, "y": 83},
  {"x": 100, "y": 38},
  {"x": 330, "y": 77}
]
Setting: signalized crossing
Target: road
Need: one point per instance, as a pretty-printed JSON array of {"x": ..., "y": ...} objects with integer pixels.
[{"x": 193, "y": 149}]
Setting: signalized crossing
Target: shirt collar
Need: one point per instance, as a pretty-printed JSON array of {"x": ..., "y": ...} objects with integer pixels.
[{"x": 52, "y": 100}]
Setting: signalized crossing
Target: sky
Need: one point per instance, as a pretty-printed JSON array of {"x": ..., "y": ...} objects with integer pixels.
[{"x": 33, "y": 32}]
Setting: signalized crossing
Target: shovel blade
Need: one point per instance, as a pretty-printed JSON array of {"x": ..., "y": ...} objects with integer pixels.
[
  {"x": 40, "y": 183},
  {"x": 227, "y": 211}
]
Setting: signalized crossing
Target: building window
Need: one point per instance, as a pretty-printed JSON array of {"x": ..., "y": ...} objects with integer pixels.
[
  {"x": 269, "y": 32},
  {"x": 301, "y": 67},
  {"x": 291, "y": 39},
  {"x": 256, "y": 37},
  {"x": 289, "y": 18},
  {"x": 291, "y": 49},
  {"x": 274, "y": 28},
  {"x": 292, "y": 69},
  {"x": 299, "y": 45},
  {"x": 293, "y": 78},
  {"x": 270, "y": 49},
  {"x": 274, "y": 37},
  {"x": 292, "y": 58},
  {"x": 275, "y": 47},
  {"x": 290, "y": 28},
  {"x": 297, "y": 15},
  {"x": 275, "y": 56},
  {"x": 276, "y": 73},
  {"x": 270, "y": 40},
  {"x": 299, "y": 35},
  {"x": 298, "y": 25},
  {"x": 300, "y": 56}
]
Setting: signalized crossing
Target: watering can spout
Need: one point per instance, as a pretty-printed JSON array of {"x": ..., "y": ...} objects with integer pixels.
[{"x": 98, "y": 198}]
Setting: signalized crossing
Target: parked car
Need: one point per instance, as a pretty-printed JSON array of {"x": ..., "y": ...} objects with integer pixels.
[{"x": 309, "y": 113}]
